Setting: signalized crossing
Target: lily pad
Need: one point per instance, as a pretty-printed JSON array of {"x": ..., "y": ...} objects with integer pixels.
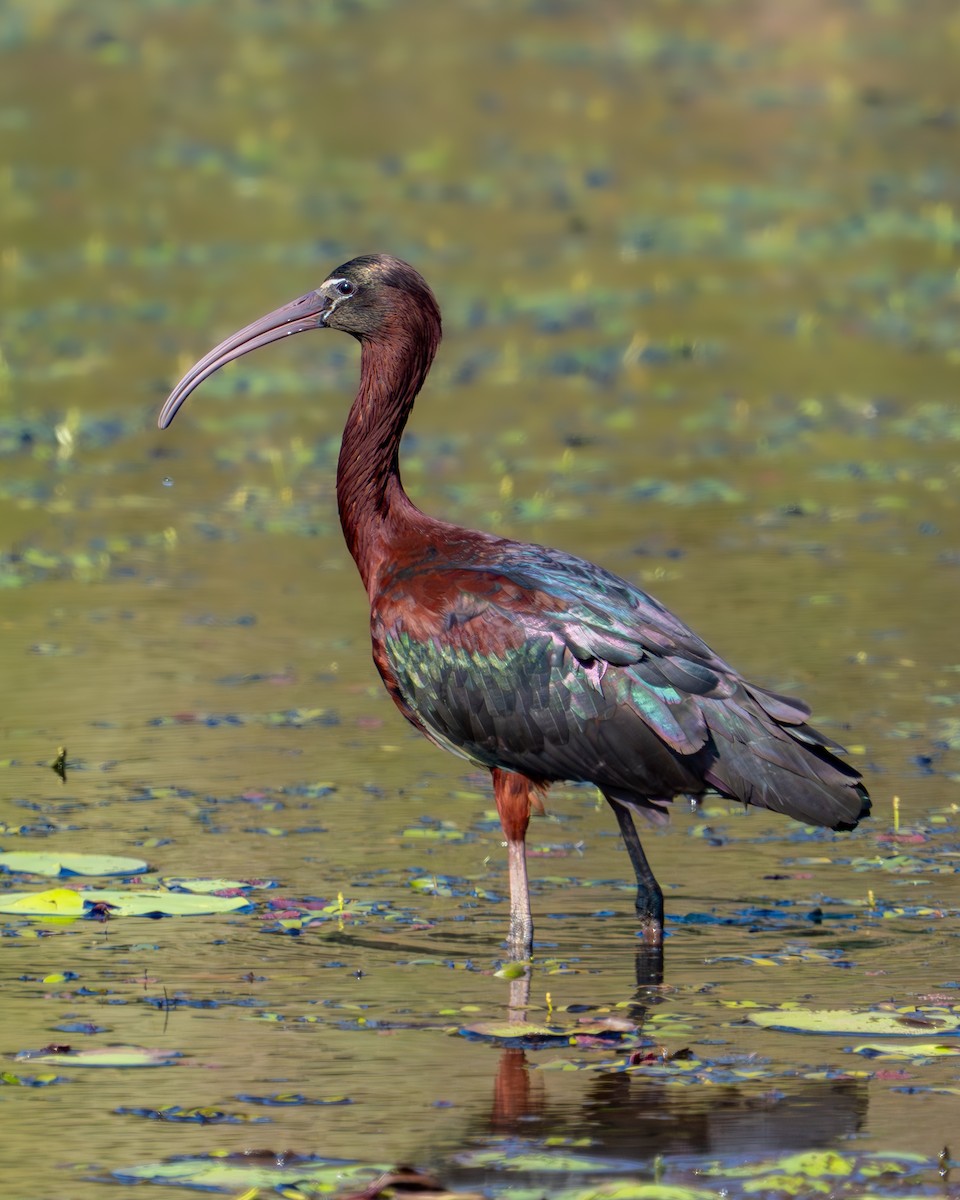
[
  {"x": 629, "y": 1189},
  {"x": 101, "y": 1056},
  {"x": 523, "y": 1158},
  {"x": 533, "y": 1035},
  {"x": 67, "y": 902},
  {"x": 907, "y": 1050},
  {"x": 254, "y": 1170},
  {"x": 291, "y": 1099},
  {"x": 54, "y": 902},
  {"x": 908, "y": 1023},
  {"x": 529, "y": 1031},
  {"x": 209, "y": 886},
  {"x": 818, "y": 1173},
  {"x": 48, "y": 862},
  {"x": 434, "y": 835}
]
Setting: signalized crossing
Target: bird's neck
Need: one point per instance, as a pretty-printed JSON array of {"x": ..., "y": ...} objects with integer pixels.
[{"x": 374, "y": 508}]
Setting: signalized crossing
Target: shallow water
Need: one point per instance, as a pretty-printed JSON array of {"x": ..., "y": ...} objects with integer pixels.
[{"x": 698, "y": 273}]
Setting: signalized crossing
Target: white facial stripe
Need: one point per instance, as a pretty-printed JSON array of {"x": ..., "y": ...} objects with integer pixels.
[{"x": 328, "y": 289}]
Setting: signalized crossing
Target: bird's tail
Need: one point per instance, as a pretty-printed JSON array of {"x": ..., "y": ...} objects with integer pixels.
[{"x": 767, "y": 755}]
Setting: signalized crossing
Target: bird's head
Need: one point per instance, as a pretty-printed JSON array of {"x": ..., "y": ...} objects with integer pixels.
[{"x": 374, "y": 297}]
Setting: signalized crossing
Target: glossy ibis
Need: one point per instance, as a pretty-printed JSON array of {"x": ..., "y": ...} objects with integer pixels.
[{"x": 533, "y": 663}]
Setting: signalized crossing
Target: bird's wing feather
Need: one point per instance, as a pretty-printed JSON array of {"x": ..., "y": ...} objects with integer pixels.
[
  {"x": 543, "y": 663},
  {"x": 608, "y": 617},
  {"x": 545, "y": 619}
]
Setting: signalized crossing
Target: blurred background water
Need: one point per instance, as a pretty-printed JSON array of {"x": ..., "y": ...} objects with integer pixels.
[{"x": 698, "y": 270}]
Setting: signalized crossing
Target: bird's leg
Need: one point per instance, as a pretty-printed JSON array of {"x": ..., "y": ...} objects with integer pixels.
[
  {"x": 513, "y": 794},
  {"x": 649, "y": 895}
]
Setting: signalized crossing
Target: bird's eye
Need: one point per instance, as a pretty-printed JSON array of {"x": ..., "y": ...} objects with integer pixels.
[{"x": 345, "y": 287}]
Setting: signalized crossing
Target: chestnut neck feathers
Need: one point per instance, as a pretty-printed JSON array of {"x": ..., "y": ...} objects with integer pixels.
[{"x": 395, "y": 359}]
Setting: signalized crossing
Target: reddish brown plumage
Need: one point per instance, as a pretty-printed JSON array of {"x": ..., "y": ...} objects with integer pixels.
[
  {"x": 536, "y": 664},
  {"x": 379, "y": 521}
]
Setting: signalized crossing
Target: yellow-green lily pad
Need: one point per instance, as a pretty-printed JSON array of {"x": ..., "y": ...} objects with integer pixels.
[
  {"x": 533, "y": 1034},
  {"x": 54, "y": 864},
  {"x": 625, "y": 1189},
  {"x": 808, "y": 1163},
  {"x": 53, "y": 902},
  {"x": 908, "y": 1023},
  {"x": 228, "y": 1173},
  {"x": 907, "y": 1050},
  {"x": 67, "y": 902},
  {"x": 510, "y": 1030},
  {"x": 102, "y": 1056}
]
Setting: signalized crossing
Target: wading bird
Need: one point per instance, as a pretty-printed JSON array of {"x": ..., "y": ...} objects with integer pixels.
[{"x": 528, "y": 661}]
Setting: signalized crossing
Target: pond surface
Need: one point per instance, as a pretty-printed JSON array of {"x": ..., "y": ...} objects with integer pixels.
[{"x": 698, "y": 268}]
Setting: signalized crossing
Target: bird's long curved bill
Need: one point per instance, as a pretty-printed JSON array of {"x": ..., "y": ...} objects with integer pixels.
[{"x": 300, "y": 315}]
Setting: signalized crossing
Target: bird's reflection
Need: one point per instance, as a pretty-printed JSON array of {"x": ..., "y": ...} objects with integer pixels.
[
  {"x": 630, "y": 1119},
  {"x": 634, "y": 1119}
]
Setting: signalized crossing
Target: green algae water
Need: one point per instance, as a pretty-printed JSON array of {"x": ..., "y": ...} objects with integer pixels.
[{"x": 698, "y": 271}]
